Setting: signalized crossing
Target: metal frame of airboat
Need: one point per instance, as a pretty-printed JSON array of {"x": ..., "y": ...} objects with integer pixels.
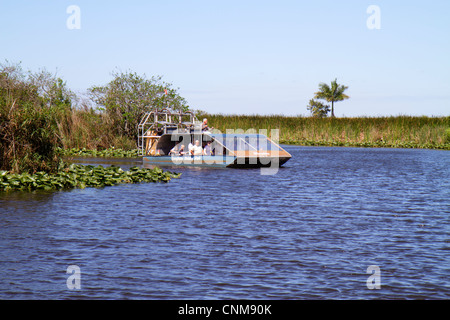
[{"x": 152, "y": 127}]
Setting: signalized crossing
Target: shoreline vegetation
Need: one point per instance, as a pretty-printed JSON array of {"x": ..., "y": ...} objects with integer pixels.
[
  {"x": 365, "y": 132},
  {"x": 42, "y": 122},
  {"x": 94, "y": 153},
  {"x": 379, "y": 132},
  {"x": 40, "y": 116}
]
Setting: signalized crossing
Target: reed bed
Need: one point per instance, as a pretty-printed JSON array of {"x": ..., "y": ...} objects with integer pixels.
[{"x": 394, "y": 131}]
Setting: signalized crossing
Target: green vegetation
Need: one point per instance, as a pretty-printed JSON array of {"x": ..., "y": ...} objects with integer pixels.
[
  {"x": 318, "y": 109},
  {"x": 40, "y": 116},
  {"x": 78, "y": 176},
  {"x": 397, "y": 132},
  {"x": 128, "y": 96},
  {"x": 330, "y": 93},
  {"x": 42, "y": 121},
  {"x": 32, "y": 108},
  {"x": 106, "y": 153}
]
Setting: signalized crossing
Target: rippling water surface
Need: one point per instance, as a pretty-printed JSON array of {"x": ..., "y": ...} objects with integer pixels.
[{"x": 308, "y": 232}]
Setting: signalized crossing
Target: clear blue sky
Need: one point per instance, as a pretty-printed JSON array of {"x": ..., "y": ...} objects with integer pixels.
[{"x": 246, "y": 57}]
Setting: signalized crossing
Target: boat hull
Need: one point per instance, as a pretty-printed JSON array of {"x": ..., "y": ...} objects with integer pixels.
[
  {"x": 203, "y": 161},
  {"x": 259, "y": 162},
  {"x": 216, "y": 161}
]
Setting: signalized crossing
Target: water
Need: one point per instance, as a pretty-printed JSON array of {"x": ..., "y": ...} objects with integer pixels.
[{"x": 308, "y": 232}]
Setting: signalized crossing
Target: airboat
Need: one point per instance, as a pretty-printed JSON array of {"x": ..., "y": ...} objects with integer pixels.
[{"x": 169, "y": 138}]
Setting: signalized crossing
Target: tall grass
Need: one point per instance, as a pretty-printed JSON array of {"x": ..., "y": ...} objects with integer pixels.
[
  {"x": 394, "y": 131},
  {"x": 38, "y": 115},
  {"x": 27, "y": 127},
  {"x": 88, "y": 129}
]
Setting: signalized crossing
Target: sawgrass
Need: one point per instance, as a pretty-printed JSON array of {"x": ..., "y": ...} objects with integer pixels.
[{"x": 397, "y": 132}]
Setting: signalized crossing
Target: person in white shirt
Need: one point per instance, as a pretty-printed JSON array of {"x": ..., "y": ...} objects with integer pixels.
[
  {"x": 191, "y": 149},
  {"x": 198, "y": 151}
]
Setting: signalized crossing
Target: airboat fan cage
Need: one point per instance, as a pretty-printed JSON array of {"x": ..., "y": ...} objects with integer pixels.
[{"x": 154, "y": 124}]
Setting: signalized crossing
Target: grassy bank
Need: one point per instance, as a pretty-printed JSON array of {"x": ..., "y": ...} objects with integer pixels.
[{"x": 398, "y": 132}]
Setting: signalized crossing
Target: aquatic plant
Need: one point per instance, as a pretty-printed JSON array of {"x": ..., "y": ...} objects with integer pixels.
[
  {"x": 79, "y": 176},
  {"x": 107, "y": 153}
]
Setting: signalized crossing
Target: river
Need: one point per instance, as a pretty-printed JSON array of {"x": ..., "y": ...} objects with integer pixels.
[{"x": 317, "y": 229}]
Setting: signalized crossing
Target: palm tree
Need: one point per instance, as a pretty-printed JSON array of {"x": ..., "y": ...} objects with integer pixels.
[{"x": 332, "y": 93}]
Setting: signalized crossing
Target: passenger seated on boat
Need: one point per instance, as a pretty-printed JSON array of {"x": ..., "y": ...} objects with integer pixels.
[
  {"x": 191, "y": 148},
  {"x": 205, "y": 125},
  {"x": 207, "y": 149},
  {"x": 178, "y": 150},
  {"x": 197, "y": 149},
  {"x": 181, "y": 152}
]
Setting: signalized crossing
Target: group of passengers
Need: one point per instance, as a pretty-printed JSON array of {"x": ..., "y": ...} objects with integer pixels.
[{"x": 193, "y": 149}]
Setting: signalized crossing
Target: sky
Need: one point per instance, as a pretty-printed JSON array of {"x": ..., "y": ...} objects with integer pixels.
[{"x": 245, "y": 57}]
